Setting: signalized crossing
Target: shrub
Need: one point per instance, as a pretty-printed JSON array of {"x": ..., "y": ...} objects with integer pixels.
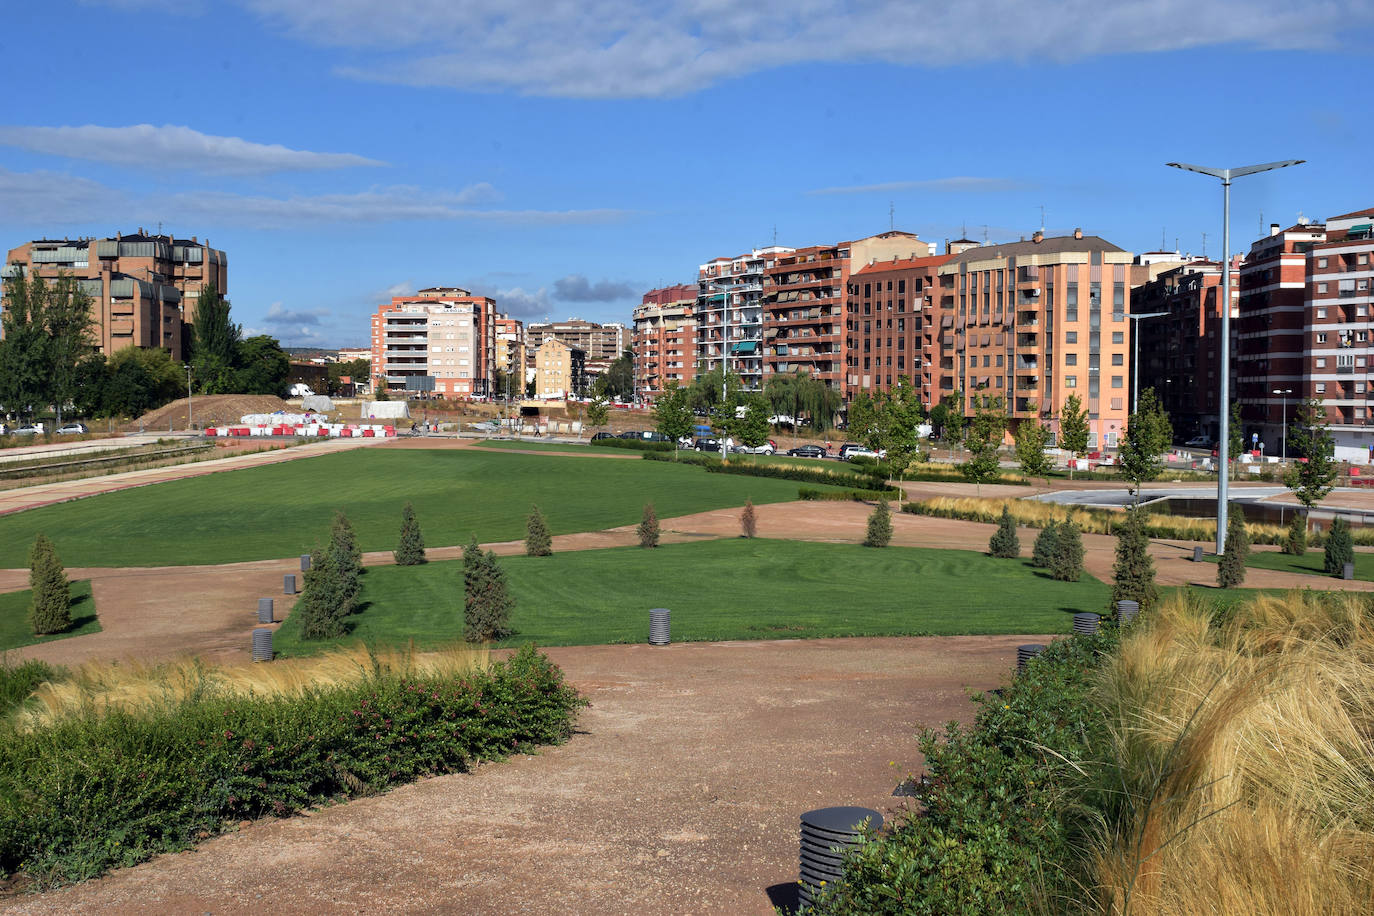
[
  {"x": 638, "y": 445},
  {"x": 1042, "y": 554},
  {"x": 1231, "y": 566},
  {"x": 538, "y": 542},
  {"x": 748, "y": 524},
  {"x": 1066, "y": 564},
  {"x": 1133, "y": 574},
  {"x": 648, "y": 527},
  {"x": 862, "y": 496},
  {"x": 879, "y": 526},
  {"x": 50, "y": 611},
  {"x": 486, "y": 602},
  {"x": 1004, "y": 542},
  {"x": 1295, "y": 542},
  {"x": 411, "y": 550},
  {"x": 106, "y": 787},
  {"x": 1338, "y": 550}
]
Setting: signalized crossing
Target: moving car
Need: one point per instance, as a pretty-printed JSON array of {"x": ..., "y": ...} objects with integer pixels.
[
  {"x": 1199, "y": 442},
  {"x": 808, "y": 451},
  {"x": 33, "y": 429},
  {"x": 73, "y": 429}
]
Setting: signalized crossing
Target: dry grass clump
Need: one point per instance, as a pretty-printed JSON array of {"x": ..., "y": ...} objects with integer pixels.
[
  {"x": 136, "y": 687},
  {"x": 1242, "y": 767}
]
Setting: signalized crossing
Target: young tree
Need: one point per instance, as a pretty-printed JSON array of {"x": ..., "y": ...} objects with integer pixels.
[
  {"x": 1042, "y": 554},
  {"x": 411, "y": 549},
  {"x": 345, "y": 559},
  {"x": 1340, "y": 548},
  {"x": 1309, "y": 438},
  {"x": 879, "y": 526},
  {"x": 747, "y": 522},
  {"x": 1231, "y": 566},
  {"x": 672, "y": 415},
  {"x": 262, "y": 366},
  {"x": 318, "y": 609},
  {"x": 1235, "y": 439},
  {"x": 538, "y": 542},
  {"x": 753, "y": 428},
  {"x": 1066, "y": 564},
  {"x": 863, "y": 419},
  {"x": 214, "y": 343},
  {"x": 1073, "y": 428},
  {"x": 486, "y": 601},
  {"x": 899, "y": 412},
  {"x": 1133, "y": 575},
  {"x": 648, "y": 527},
  {"x": 1031, "y": 437},
  {"x": 598, "y": 412},
  {"x": 1295, "y": 542},
  {"x": 67, "y": 316},
  {"x": 50, "y": 609},
  {"x": 983, "y": 441},
  {"x": 1148, "y": 435},
  {"x": 1004, "y": 542}
]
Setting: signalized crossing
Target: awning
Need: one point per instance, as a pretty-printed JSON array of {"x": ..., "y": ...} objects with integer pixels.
[
  {"x": 986, "y": 339},
  {"x": 947, "y": 321},
  {"x": 745, "y": 347},
  {"x": 1362, "y": 227}
]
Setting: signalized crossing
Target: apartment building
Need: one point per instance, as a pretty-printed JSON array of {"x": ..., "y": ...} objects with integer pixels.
[
  {"x": 511, "y": 346},
  {"x": 885, "y": 332},
  {"x": 143, "y": 287},
  {"x": 804, "y": 302},
  {"x": 664, "y": 340},
  {"x": 1034, "y": 322},
  {"x": 1180, "y": 351},
  {"x": 1340, "y": 300},
  {"x": 730, "y": 316},
  {"x": 441, "y": 333},
  {"x": 559, "y": 370},
  {"x": 597, "y": 341}
]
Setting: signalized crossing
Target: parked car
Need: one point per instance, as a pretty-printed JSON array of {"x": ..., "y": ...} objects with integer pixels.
[
  {"x": 603, "y": 435},
  {"x": 73, "y": 429},
  {"x": 768, "y": 448},
  {"x": 846, "y": 448},
  {"x": 863, "y": 451},
  {"x": 808, "y": 451},
  {"x": 32, "y": 429},
  {"x": 1199, "y": 442},
  {"x": 782, "y": 420},
  {"x": 706, "y": 444}
]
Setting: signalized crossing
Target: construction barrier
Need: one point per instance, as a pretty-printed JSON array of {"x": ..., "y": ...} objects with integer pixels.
[{"x": 335, "y": 430}]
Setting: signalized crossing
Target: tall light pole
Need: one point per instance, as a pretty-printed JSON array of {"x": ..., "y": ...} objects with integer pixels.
[
  {"x": 190, "y": 407},
  {"x": 1135, "y": 355},
  {"x": 1223, "y": 445},
  {"x": 1284, "y": 393}
]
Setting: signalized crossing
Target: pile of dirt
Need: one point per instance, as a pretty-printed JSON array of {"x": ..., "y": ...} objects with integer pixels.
[{"x": 208, "y": 410}]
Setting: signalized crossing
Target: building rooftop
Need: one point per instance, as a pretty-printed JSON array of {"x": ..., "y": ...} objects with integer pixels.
[
  {"x": 1059, "y": 244},
  {"x": 934, "y": 260}
]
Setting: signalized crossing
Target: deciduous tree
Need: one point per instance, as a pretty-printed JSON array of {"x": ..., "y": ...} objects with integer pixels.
[
  {"x": 1147, "y": 439},
  {"x": 1312, "y": 477}
]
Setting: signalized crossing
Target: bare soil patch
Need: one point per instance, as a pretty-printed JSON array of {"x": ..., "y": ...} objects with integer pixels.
[{"x": 208, "y": 410}]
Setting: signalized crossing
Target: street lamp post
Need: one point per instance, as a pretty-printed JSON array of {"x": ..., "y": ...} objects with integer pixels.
[
  {"x": 1135, "y": 355},
  {"x": 1284, "y": 393},
  {"x": 190, "y": 406},
  {"x": 1223, "y": 445}
]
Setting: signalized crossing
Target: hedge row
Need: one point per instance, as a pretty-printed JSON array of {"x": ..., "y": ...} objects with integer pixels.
[
  {"x": 848, "y": 495},
  {"x": 838, "y": 477},
  {"x": 638, "y": 445},
  {"x": 97, "y": 791},
  {"x": 994, "y": 834}
]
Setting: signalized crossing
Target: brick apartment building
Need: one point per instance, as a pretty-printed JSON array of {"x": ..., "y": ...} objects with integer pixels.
[
  {"x": 511, "y": 344},
  {"x": 664, "y": 340},
  {"x": 143, "y": 287},
  {"x": 597, "y": 341},
  {"x": 885, "y": 334},
  {"x": 442, "y": 332},
  {"x": 1180, "y": 351},
  {"x": 1034, "y": 322}
]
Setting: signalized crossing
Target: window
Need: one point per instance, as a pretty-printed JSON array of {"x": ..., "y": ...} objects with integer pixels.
[
  {"x": 1116, "y": 405},
  {"x": 1070, "y": 381},
  {"x": 1321, "y": 362},
  {"x": 1071, "y": 337},
  {"x": 1321, "y": 313},
  {"x": 1117, "y": 381},
  {"x": 1361, "y": 336},
  {"x": 1118, "y": 337},
  {"x": 1071, "y": 359},
  {"x": 1321, "y": 387},
  {"x": 1321, "y": 262},
  {"x": 1321, "y": 338},
  {"x": 1118, "y": 359},
  {"x": 1321, "y": 289},
  {"x": 901, "y": 286}
]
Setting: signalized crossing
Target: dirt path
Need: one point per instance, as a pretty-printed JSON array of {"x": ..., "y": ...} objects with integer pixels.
[{"x": 679, "y": 795}]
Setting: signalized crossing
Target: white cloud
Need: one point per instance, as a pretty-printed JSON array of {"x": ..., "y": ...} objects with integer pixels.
[
  {"x": 960, "y": 184},
  {"x": 170, "y": 146},
  {"x": 577, "y": 288},
  {"x": 516, "y": 301},
  {"x": 654, "y": 48},
  {"x": 277, "y": 315},
  {"x": 53, "y": 198}
]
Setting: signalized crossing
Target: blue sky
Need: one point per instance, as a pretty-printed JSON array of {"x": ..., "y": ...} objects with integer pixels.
[{"x": 564, "y": 157}]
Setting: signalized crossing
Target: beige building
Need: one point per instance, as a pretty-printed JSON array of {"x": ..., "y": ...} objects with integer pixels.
[
  {"x": 597, "y": 341},
  {"x": 511, "y": 356},
  {"x": 143, "y": 288},
  {"x": 444, "y": 333},
  {"x": 559, "y": 370}
]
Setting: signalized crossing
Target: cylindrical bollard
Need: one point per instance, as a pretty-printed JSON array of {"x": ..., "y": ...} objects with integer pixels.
[
  {"x": 265, "y": 610},
  {"x": 305, "y": 562},
  {"x": 1348, "y": 571},
  {"x": 1197, "y": 554},
  {"x": 1126, "y": 610},
  {"x": 1086, "y": 623},
  {"x": 262, "y": 645},
  {"x": 1027, "y": 652},
  {"x": 659, "y": 626},
  {"x": 826, "y": 835}
]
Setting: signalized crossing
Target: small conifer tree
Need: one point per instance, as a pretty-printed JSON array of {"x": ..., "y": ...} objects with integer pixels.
[
  {"x": 486, "y": 602},
  {"x": 879, "y": 526},
  {"x": 316, "y": 609},
  {"x": 1295, "y": 542},
  {"x": 341, "y": 537},
  {"x": 345, "y": 562},
  {"x": 1134, "y": 572},
  {"x": 1004, "y": 542},
  {"x": 411, "y": 549},
  {"x": 1339, "y": 549},
  {"x": 1066, "y": 564},
  {"x": 538, "y": 542},
  {"x": 50, "y": 611},
  {"x": 748, "y": 524},
  {"x": 1042, "y": 554},
  {"x": 1231, "y": 566},
  {"x": 648, "y": 527}
]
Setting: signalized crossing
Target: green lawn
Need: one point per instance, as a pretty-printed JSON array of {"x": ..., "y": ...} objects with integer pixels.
[
  {"x": 14, "y": 617},
  {"x": 1311, "y": 564},
  {"x": 526, "y": 445},
  {"x": 285, "y": 509},
  {"x": 728, "y": 589}
]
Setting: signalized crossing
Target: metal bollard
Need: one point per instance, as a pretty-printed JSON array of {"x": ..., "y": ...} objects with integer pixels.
[
  {"x": 262, "y": 645},
  {"x": 265, "y": 610},
  {"x": 305, "y": 562},
  {"x": 1197, "y": 554},
  {"x": 1348, "y": 572},
  {"x": 288, "y": 584}
]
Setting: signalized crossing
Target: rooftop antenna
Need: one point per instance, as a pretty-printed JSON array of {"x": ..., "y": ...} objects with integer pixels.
[
  {"x": 775, "y": 235},
  {"x": 891, "y": 216},
  {"x": 985, "y": 234},
  {"x": 963, "y": 229},
  {"x": 1161, "y": 239},
  {"x": 1261, "y": 223},
  {"x": 1204, "y": 244},
  {"x": 1042, "y": 219}
]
